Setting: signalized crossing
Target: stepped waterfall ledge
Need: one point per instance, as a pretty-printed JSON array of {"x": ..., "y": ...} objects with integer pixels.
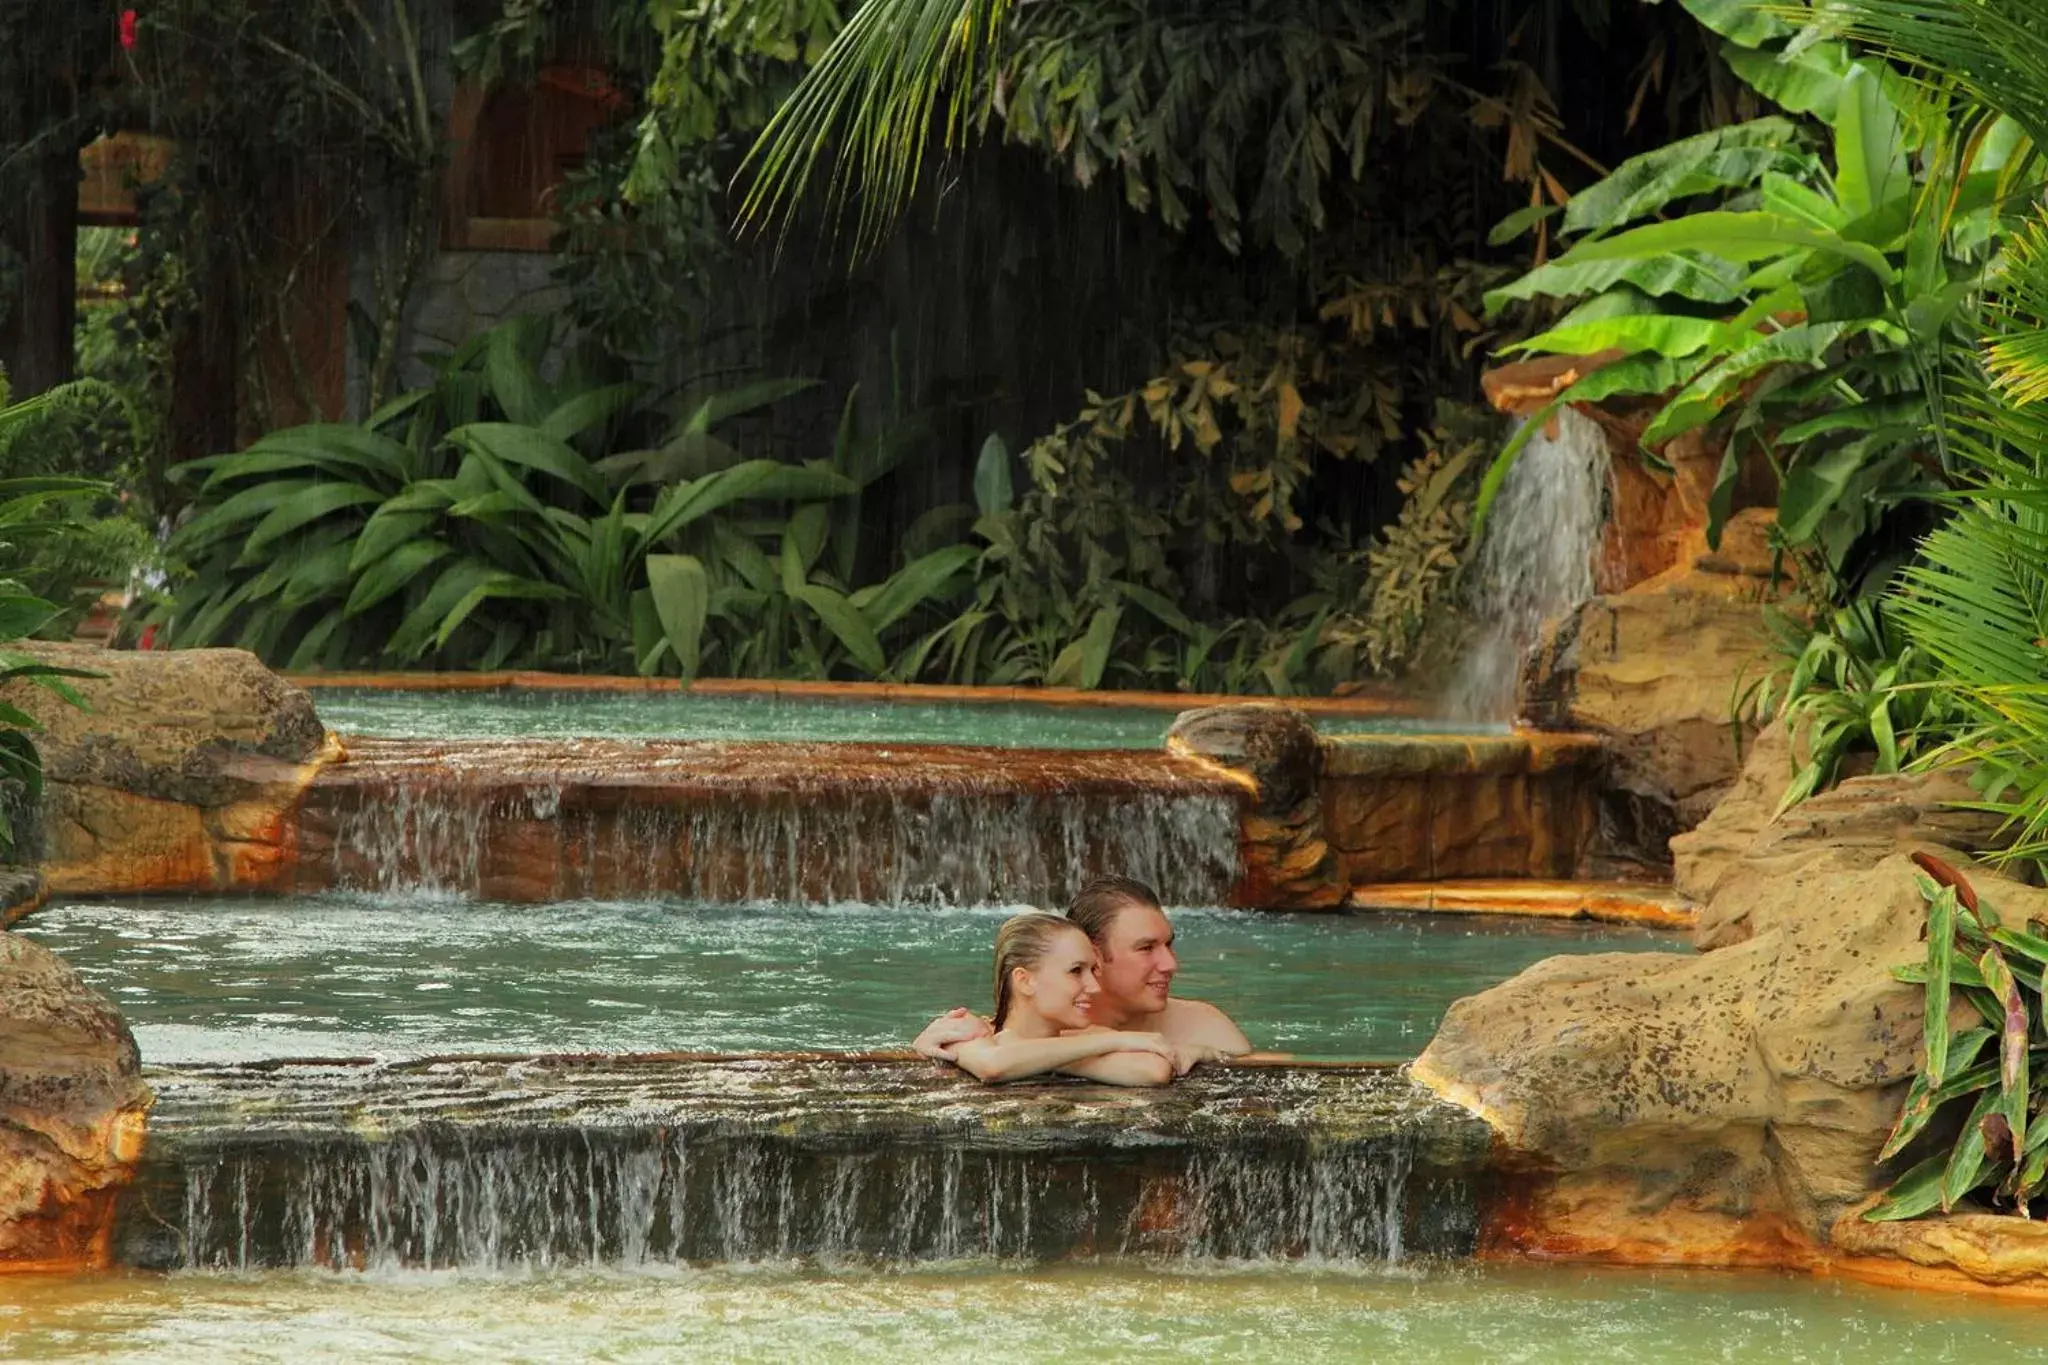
[
  {"x": 509, "y": 1162},
  {"x": 555, "y": 820}
]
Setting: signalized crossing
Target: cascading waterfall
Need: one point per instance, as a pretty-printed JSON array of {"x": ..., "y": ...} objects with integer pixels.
[
  {"x": 998, "y": 846},
  {"x": 470, "y": 1198},
  {"x": 1537, "y": 559}
]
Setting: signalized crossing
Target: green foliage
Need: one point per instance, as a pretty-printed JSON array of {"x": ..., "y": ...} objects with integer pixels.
[
  {"x": 1412, "y": 571},
  {"x": 30, "y": 517},
  {"x": 1808, "y": 310},
  {"x": 1248, "y": 115},
  {"x": 1996, "y": 49},
  {"x": 481, "y": 521},
  {"x": 1854, "y": 691},
  {"x": 1079, "y": 584},
  {"x": 75, "y": 536},
  {"x": 898, "y": 72},
  {"x": 1245, "y": 109},
  {"x": 1983, "y": 1075}
]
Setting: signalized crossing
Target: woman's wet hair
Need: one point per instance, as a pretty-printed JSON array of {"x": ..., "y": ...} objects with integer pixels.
[
  {"x": 1023, "y": 941},
  {"x": 1096, "y": 906}
]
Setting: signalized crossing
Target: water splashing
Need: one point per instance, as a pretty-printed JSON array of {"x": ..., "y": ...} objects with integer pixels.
[
  {"x": 986, "y": 841},
  {"x": 1537, "y": 559},
  {"x": 456, "y": 1198}
]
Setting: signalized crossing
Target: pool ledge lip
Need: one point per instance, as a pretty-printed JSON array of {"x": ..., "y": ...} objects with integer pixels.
[
  {"x": 535, "y": 681},
  {"x": 1636, "y": 904},
  {"x": 806, "y": 1097},
  {"x": 1258, "y": 1061}
]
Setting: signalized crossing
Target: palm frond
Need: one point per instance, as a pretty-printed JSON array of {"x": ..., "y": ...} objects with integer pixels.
[
  {"x": 1997, "y": 49},
  {"x": 2017, "y": 355},
  {"x": 871, "y": 107},
  {"x": 1977, "y": 599}
]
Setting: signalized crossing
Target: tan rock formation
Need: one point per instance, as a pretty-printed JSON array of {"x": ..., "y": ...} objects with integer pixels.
[
  {"x": 180, "y": 775},
  {"x": 1724, "y": 1107},
  {"x": 1657, "y": 674},
  {"x": 1333, "y": 813},
  {"x": 1701, "y": 855},
  {"x": 1429, "y": 807},
  {"x": 72, "y": 1105},
  {"x": 1949, "y": 1251}
]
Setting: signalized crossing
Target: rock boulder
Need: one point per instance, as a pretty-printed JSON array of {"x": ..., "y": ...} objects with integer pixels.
[
  {"x": 72, "y": 1104},
  {"x": 1657, "y": 673},
  {"x": 1275, "y": 753},
  {"x": 1724, "y": 1106},
  {"x": 176, "y": 774}
]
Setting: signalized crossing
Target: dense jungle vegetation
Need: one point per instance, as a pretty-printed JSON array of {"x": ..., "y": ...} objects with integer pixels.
[
  {"x": 1165, "y": 379},
  {"x": 1105, "y": 343}
]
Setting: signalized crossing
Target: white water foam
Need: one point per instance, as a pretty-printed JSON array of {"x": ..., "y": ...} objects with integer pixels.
[{"x": 1537, "y": 559}]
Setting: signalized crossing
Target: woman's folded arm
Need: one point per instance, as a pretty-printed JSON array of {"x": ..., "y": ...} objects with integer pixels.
[{"x": 1011, "y": 1059}]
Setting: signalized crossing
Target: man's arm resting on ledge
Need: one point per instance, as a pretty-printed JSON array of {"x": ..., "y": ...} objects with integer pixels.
[{"x": 1198, "y": 1021}]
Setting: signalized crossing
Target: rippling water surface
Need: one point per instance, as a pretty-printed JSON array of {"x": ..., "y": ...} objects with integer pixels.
[
  {"x": 681, "y": 715},
  {"x": 987, "y": 1314},
  {"x": 227, "y": 979}
]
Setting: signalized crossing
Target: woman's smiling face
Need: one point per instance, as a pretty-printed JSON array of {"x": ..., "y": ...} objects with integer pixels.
[{"x": 1063, "y": 984}]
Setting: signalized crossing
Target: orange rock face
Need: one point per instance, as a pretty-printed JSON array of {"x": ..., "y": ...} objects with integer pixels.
[
  {"x": 182, "y": 774},
  {"x": 1657, "y": 519},
  {"x": 1399, "y": 808},
  {"x": 72, "y": 1105}
]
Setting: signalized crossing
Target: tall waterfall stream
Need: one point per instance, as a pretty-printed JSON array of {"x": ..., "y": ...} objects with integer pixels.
[{"x": 1537, "y": 558}]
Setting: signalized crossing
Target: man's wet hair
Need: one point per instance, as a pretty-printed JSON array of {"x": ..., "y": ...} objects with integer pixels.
[{"x": 1096, "y": 905}]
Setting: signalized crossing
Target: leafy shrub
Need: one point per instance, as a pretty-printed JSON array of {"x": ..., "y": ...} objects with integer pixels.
[
  {"x": 1807, "y": 311},
  {"x": 1854, "y": 689},
  {"x": 31, "y": 513},
  {"x": 1075, "y": 585},
  {"x": 83, "y": 536},
  {"x": 480, "y": 521},
  {"x": 2000, "y": 1152}
]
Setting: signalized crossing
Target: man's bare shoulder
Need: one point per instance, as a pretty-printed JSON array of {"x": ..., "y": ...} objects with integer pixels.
[{"x": 1198, "y": 1021}]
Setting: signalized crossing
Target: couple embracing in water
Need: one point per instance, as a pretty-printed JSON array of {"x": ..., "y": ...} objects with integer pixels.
[{"x": 1086, "y": 994}]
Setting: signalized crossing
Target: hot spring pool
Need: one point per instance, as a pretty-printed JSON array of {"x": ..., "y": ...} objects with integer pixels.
[
  {"x": 980, "y": 1313},
  {"x": 228, "y": 979},
  {"x": 508, "y": 713}
]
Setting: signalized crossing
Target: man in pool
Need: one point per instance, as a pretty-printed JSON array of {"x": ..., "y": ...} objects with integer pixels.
[{"x": 1134, "y": 940}]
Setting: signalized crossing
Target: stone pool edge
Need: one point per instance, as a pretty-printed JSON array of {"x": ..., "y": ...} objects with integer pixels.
[{"x": 742, "y": 1155}]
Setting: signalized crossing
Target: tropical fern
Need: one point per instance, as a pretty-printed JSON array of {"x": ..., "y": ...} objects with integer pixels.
[{"x": 869, "y": 107}]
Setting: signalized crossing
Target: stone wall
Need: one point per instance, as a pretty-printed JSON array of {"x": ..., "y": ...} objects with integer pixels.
[
  {"x": 1332, "y": 814},
  {"x": 1659, "y": 673}
]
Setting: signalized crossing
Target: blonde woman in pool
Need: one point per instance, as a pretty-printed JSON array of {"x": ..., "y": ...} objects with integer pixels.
[{"x": 1044, "y": 984}]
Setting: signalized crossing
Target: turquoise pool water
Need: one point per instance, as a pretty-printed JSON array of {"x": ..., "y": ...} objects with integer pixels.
[
  {"x": 984, "y": 1314},
  {"x": 522, "y": 714},
  {"x": 235, "y": 979}
]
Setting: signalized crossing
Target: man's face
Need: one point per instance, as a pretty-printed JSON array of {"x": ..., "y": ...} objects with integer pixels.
[{"x": 1137, "y": 960}]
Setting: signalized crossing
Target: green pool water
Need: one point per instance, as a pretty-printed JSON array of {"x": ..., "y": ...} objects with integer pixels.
[
  {"x": 986, "y": 1314},
  {"x": 519, "y": 714},
  {"x": 225, "y": 980}
]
